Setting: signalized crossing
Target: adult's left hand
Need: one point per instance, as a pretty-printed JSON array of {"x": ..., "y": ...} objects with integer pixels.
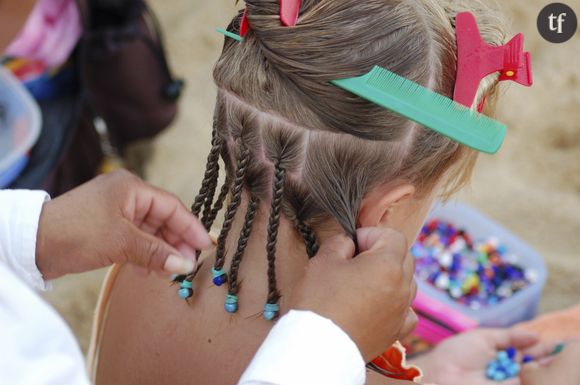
[
  {"x": 463, "y": 359},
  {"x": 117, "y": 218}
]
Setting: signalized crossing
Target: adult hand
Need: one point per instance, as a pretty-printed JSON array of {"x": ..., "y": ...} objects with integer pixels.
[
  {"x": 463, "y": 359},
  {"x": 117, "y": 218},
  {"x": 369, "y": 296},
  {"x": 563, "y": 369}
]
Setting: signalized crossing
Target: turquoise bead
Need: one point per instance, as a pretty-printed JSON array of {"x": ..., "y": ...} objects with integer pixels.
[
  {"x": 271, "y": 311},
  {"x": 186, "y": 284},
  {"x": 270, "y": 315},
  {"x": 185, "y": 293},
  {"x": 231, "y": 307}
]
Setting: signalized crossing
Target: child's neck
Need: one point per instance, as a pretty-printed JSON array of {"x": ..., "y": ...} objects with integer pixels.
[{"x": 291, "y": 257}]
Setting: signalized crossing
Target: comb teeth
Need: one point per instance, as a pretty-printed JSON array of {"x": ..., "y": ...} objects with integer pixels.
[{"x": 427, "y": 108}]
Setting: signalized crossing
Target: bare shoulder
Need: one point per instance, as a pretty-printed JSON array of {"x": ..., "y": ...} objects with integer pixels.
[{"x": 151, "y": 336}]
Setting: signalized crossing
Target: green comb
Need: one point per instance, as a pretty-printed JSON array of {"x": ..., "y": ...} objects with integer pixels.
[
  {"x": 427, "y": 108},
  {"x": 229, "y": 34}
]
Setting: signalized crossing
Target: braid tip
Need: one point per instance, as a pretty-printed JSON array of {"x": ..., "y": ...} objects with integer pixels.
[
  {"x": 219, "y": 276},
  {"x": 186, "y": 290},
  {"x": 231, "y": 304},
  {"x": 271, "y": 311}
]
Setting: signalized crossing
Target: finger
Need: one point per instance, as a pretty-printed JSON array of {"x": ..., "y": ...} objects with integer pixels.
[
  {"x": 531, "y": 373},
  {"x": 338, "y": 247},
  {"x": 505, "y": 338},
  {"x": 154, "y": 254},
  {"x": 390, "y": 243},
  {"x": 410, "y": 323},
  {"x": 541, "y": 350},
  {"x": 164, "y": 210},
  {"x": 367, "y": 237}
]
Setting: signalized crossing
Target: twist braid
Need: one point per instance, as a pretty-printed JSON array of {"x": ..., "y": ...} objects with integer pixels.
[
  {"x": 273, "y": 224},
  {"x": 309, "y": 238},
  {"x": 211, "y": 174},
  {"x": 208, "y": 220},
  {"x": 233, "y": 287},
  {"x": 238, "y": 182}
]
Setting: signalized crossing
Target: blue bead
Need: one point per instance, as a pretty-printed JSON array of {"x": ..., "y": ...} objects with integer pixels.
[
  {"x": 499, "y": 376},
  {"x": 185, "y": 293},
  {"x": 231, "y": 307},
  {"x": 527, "y": 358},
  {"x": 513, "y": 370},
  {"x": 220, "y": 280},
  {"x": 270, "y": 315},
  {"x": 511, "y": 352}
]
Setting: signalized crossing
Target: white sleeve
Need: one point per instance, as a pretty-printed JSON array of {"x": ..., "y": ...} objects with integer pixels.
[
  {"x": 304, "y": 348},
  {"x": 36, "y": 345},
  {"x": 19, "y": 214}
]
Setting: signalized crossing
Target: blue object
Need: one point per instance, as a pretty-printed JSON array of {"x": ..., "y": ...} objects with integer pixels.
[
  {"x": 271, "y": 311},
  {"x": 219, "y": 276},
  {"x": 511, "y": 352},
  {"x": 231, "y": 304},
  {"x": 527, "y": 358},
  {"x": 185, "y": 284},
  {"x": 9, "y": 175},
  {"x": 218, "y": 281},
  {"x": 185, "y": 293}
]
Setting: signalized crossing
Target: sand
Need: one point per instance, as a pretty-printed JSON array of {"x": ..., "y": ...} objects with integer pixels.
[{"x": 532, "y": 186}]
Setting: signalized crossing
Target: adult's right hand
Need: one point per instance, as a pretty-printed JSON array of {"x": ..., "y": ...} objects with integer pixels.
[{"x": 369, "y": 296}]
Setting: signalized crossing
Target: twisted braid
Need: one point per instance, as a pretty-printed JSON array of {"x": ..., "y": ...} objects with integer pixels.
[
  {"x": 208, "y": 220},
  {"x": 207, "y": 189},
  {"x": 238, "y": 182},
  {"x": 273, "y": 224},
  {"x": 309, "y": 238},
  {"x": 233, "y": 287}
]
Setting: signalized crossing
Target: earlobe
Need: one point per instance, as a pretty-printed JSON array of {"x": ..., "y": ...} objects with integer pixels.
[{"x": 378, "y": 204}]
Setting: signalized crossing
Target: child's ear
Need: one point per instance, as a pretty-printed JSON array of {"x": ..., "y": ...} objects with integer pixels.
[{"x": 378, "y": 203}]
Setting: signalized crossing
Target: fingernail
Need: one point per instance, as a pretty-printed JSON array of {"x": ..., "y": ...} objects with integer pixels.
[{"x": 178, "y": 265}]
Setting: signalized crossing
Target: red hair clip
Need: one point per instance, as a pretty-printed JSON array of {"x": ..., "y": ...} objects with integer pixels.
[
  {"x": 476, "y": 59},
  {"x": 289, "y": 10}
]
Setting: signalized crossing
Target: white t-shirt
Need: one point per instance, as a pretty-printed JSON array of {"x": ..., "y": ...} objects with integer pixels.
[{"x": 38, "y": 348}]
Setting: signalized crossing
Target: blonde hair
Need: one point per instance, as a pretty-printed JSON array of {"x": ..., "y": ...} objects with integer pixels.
[{"x": 290, "y": 138}]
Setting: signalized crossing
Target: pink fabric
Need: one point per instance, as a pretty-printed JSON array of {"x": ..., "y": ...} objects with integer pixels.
[{"x": 50, "y": 33}]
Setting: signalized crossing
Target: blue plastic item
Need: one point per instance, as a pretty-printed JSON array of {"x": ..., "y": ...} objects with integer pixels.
[
  {"x": 20, "y": 122},
  {"x": 13, "y": 172},
  {"x": 523, "y": 305}
]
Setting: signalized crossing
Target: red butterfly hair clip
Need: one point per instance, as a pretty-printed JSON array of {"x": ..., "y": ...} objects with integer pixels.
[
  {"x": 289, "y": 10},
  {"x": 476, "y": 59}
]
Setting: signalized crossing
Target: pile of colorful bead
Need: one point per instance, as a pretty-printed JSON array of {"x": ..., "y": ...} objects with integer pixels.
[
  {"x": 504, "y": 366},
  {"x": 474, "y": 273}
]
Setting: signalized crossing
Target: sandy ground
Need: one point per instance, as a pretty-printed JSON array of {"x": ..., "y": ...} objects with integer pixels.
[{"x": 532, "y": 186}]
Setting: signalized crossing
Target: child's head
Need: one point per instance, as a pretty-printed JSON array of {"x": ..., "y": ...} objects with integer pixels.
[{"x": 316, "y": 154}]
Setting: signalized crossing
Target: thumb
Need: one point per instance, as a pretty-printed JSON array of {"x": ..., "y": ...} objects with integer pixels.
[
  {"x": 154, "y": 254},
  {"x": 531, "y": 373},
  {"x": 336, "y": 247}
]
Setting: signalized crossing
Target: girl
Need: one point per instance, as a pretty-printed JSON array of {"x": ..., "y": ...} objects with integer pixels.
[{"x": 304, "y": 160}]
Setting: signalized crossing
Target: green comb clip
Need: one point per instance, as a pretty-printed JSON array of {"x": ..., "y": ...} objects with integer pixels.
[
  {"x": 427, "y": 108},
  {"x": 229, "y": 34}
]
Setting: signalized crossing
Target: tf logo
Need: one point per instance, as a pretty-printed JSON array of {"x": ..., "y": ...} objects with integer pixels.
[{"x": 557, "y": 23}]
